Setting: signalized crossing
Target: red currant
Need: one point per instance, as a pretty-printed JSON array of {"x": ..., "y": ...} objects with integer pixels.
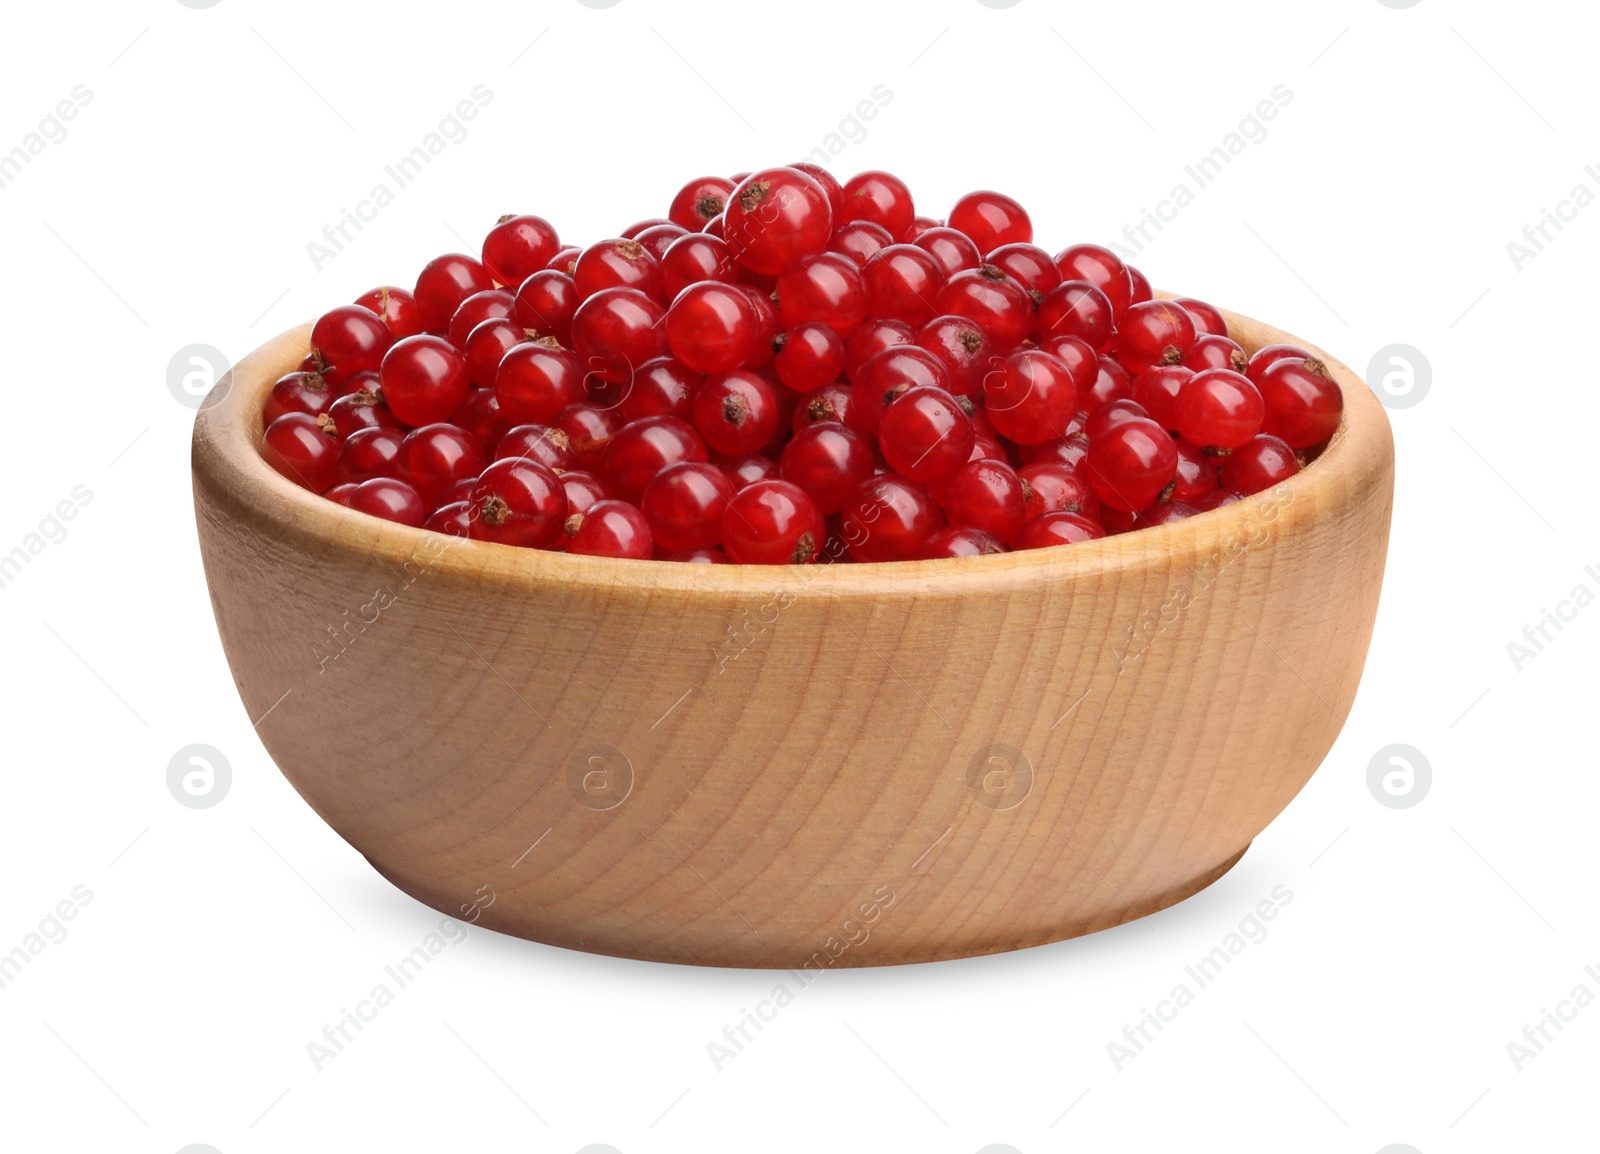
[
  {"x": 610, "y": 528},
  {"x": 617, "y": 264},
  {"x": 1258, "y": 465},
  {"x": 991, "y": 219},
  {"x": 298, "y": 392},
  {"x": 443, "y": 284},
  {"x": 454, "y": 520},
  {"x": 519, "y": 502},
  {"x": 986, "y": 495},
  {"x": 812, "y": 356},
  {"x": 825, "y": 287},
  {"x": 710, "y": 326},
  {"x": 699, "y": 202},
  {"x": 616, "y": 330},
  {"x": 1196, "y": 475},
  {"x": 1111, "y": 383},
  {"x": 871, "y": 339},
  {"x": 743, "y": 471},
  {"x": 545, "y": 303},
  {"x": 925, "y": 434},
  {"x": 545, "y": 444},
  {"x": 952, "y": 248},
  {"x": 684, "y": 503},
  {"x": 349, "y": 339},
  {"x": 735, "y": 412},
  {"x": 387, "y": 498},
  {"x": 1157, "y": 390},
  {"x": 643, "y": 448},
  {"x": 775, "y": 217},
  {"x": 480, "y": 415},
  {"x": 772, "y": 523},
  {"x": 993, "y": 301},
  {"x": 695, "y": 258},
  {"x": 889, "y": 518},
  {"x": 435, "y": 457},
  {"x": 828, "y": 460},
  {"x": 1219, "y": 409},
  {"x": 1059, "y": 529},
  {"x": 589, "y": 429},
  {"x": 1269, "y": 355},
  {"x": 536, "y": 380},
  {"x": 396, "y": 308},
  {"x": 830, "y": 185},
  {"x": 661, "y": 388},
  {"x": 1056, "y": 487},
  {"x": 1303, "y": 401},
  {"x": 887, "y": 375},
  {"x": 1207, "y": 320},
  {"x": 359, "y": 410},
  {"x": 487, "y": 345},
  {"x": 1211, "y": 351},
  {"x": 880, "y": 198},
  {"x": 860, "y": 240},
  {"x": 370, "y": 453},
  {"x": 1100, "y": 267},
  {"x": 583, "y": 490},
  {"x": 302, "y": 448},
  {"x": 959, "y": 542},
  {"x": 1076, "y": 308},
  {"x": 517, "y": 247},
  {"x": 903, "y": 283},
  {"x": 1131, "y": 464},
  {"x": 424, "y": 379},
  {"x": 1030, "y": 396}
]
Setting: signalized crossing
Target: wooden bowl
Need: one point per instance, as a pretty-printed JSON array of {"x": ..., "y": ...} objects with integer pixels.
[{"x": 796, "y": 767}]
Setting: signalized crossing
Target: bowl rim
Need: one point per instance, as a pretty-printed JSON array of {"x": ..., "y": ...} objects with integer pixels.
[{"x": 226, "y": 458}]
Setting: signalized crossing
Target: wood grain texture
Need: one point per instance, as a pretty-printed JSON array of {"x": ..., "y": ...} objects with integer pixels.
[{"x": 785, "y": 767}]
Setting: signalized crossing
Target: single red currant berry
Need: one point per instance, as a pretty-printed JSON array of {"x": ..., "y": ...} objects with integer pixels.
[
  {"x": 887, "y": 375},
  {"x": 612, "y": 264},
  {"x": 1082, "y": 362},
  {"x": 1219, "y": 409},
  {"x": 347, "y": 340},
  {"x": 1056, "y": 487},
  {"x": 889, "y": 518},
  {"x": 480, "y": 415},
  {"x": 387, "y": 498},
  {"x": 1108, "y": 417},
  {"x": 903, "y": 283},
  {"x": 1141, "y": 287},
  {"x": 880, "y": 198},
  {"x": 1069, "y": 450},
  {"x": 683, "y": 505},
  {"x": 1303, "y": 402},
  {"x": 812, "y": 356},
  {"x": 545, "y": 303},
  {"x": 699, "y": 202},
  {"x": 657, "y": 239},
  {"x": 830, "y": 185},
  {"x": 361, "y": 410},
  {"x": 1131, "y": 464},
  {"x": 616, "y": 330},
  {"x": 535, "y": 381},
  {"x": 1211, "y": 351},
  {"x": 610, "y": 528},
  {"x": 710, "y": 326},
  {"x": 871, "y": 339},
  {"x": 519, "y": 502},
  {"x": 772, "y": 523},
  {"x": 370, "y": 453},
  {"x": 436, "y": 457},
  {"x": 1157, "y": 389},
  {"x": 1207, "y": 319},
  {"x": 589, "y": 429},
  {"x": 775, "y": 217},
  {"x": 993, "y": 301},
  {"x": 1076, "y": 308},
  {"x": 744, "y": 471},
  {"x": 1196, "y": 475},
  {"x": 424, "y": 379},
  {"x": 991, "y": 219},
  {"x": 478, "y": 307},
  {"x": 959, "y": 542},
  {"x": 1258, "y": 465},
  {"x": 1028, "y": 265},
  {"x": 661, "y": 388},
  {"x": 1030, "y": 396},
  {"x": 396, "y": 308},
  {"x": 487, "y": 345},
  {"x": 860, "y": 240},
  {"x": 963, "y": 348},
  {"x": 517, "y": 247},
  {"x": 983, "y": 494},
  {"x": 565, "y": 260},
  {"x": 454, "y": 520},
  {"x": 952, "y": 248},
  {"x": 825, "y": 287},
  {"x": 298, "y": 392},
  {"x": 1112, "y": 383},
  {"x": 828, "y": 460},
  {"x": 695, "y": 258},
  {"x": 735, "y": 412},
  {"x": 829, "y": 403},
  {"x": 1269, "y": 355},
  {"x": 925, "y": 434},
  {"x": 302, "y": 448},
  {"x": 1100, "y": 267},
  {"x": 549, "y": 446},
  {"x": 583, "y": 490},
  {"x": 443, "y": 284},
  {"x": 642, "y": 449},
  {"x": 1059, "y": 529}
]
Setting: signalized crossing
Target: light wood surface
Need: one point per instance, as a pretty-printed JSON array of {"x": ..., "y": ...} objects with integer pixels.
[{"x": 815, "y": 760}]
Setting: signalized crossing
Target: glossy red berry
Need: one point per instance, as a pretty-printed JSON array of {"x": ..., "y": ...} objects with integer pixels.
[
  {"x": 396, "y": 308},
  {"x": 519, "y": 502},
  {"x": 1196, "y": 475},
  {"x": 370, "y": 453},
  {"x": 993, "y": 301},
  {"x": 1107, "y": 417},
  {"x": 1303, "y": 402},
  {"x": 889, "y": 518},
  {"x": 642, "y": 449},
  {"x": 991, "y": 219},
  {"x": 1219, "y": 409},
  {"x": 479, "y": 307},
  {"x": 1156, "y": 390},
  {"x": 657, "y": 239},
  {"x": 1211, "y": 351},
  {"x": 610, "y": 528},
  {"x": 517, "y": 247},
  {"x": 903, "y": 284},
  {"x": 589, "y": 429},
  {"x": 1141, "y": 287},
  {"x": 1111, "y": 383},
  {"x": 1269, "y": 355},
  {"x": 1100, "y": 267},
  {"x": 436, "y": 457},
  {"x": 829, "y": 403},
  {"x": 617, "y": 264},
  {"x": 298, "y": 392},
  {"x": 743, "y": 471},
  {"x": 1258, "y": 465},
  {"x": 828, "y": 460},
  {"x": 871, "y": 339},
  {"x": 349, "y": 339},
  {"x": 480, "y": 415},
  {"x": 616, "y": 330},
  {"x": 455, "y": 520},
  {"x": 925, "y": 434},
  {"x": 1056, "y": 487},
  {"x": 710, "y": 326},
  {"x": 887, "y": 375},
  {"x": 860, "y": 240},
  {"x": 389, "y": 499},
  {"x": 583, "y": 490},
  {"x": 1153, "y": 333},
  {"x": 775, "y": 217},
  {"x": 302, "y": 448},
  {"x": 536, "y": 380},
  {"x": 684, "y": 503},
  {"x": 987, "y": 495},
  {"x": 812, "y": 356},
  {"x": 1207, "y": 319},
  {"x": 1059, "y": 529},
  {"x": 695, "y": 258},
  {"x": 1028, "y": 265},
  {"x": 545, "y": 444},
  {"x": 825, "y": 287},
  {"x": 443, "y": 284},
  {"x": 830, "y": 186},
  {"x": 1131, "y": 464},
  {"x": 359, "y": 410},
  {"x": 952, "y": 248},
  {"x": 487, "y": 345},
  {"x": 661, "y": 388},
  {"x": 881, "y": 198},
  {"x": 699, "y": 202},
  {"x": 545, "y": 303},
  {"x": 1076, "y": 308},
  {"x": 1030, "y": 396},
  {"x": 963, "y": 348},
  {"x": 735, "y": 412},
  {"x": 959, "y": 542},
  {"x": 772, "y": 523},
  {"x": 424, "y": 379}
]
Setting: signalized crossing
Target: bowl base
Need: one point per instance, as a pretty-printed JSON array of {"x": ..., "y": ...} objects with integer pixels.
[{"x": 721, "y": 954}]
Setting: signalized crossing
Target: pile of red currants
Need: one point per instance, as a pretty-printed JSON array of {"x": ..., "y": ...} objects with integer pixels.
[{"x": 787, "y": 370}]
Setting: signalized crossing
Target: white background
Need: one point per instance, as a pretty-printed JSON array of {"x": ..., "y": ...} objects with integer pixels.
[{"x": 1377, "y": 210}]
